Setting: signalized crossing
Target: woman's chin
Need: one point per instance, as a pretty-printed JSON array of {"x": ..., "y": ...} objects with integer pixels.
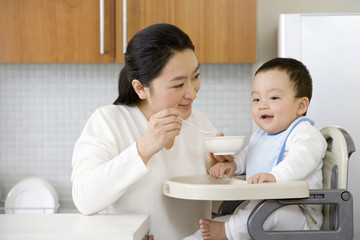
[{"x": 185, "y": 114}]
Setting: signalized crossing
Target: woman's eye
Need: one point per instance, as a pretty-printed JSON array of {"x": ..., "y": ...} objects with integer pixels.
[
  {"x": 179, "y": 86},
  {"x": 197, "y": 76}
]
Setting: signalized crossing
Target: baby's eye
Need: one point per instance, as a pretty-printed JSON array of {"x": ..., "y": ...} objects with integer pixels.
[
  {"x": 273, "y": 98},
  {"x": 256, "y": 100}
]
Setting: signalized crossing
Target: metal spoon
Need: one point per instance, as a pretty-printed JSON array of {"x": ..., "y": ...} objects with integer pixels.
[{"x": 198, "y": 129}]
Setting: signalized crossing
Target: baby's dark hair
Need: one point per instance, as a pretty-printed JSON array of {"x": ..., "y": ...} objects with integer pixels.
[{"x": 298, "y": 73}]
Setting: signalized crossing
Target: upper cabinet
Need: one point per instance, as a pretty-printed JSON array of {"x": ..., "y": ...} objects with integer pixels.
[
  {"x": 70, "y": 31},
  {"x": 223, "y": 31},
  {"x": 54, "y": 31}
]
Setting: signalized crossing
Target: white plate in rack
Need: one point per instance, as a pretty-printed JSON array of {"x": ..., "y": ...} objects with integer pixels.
[
  {"x": 31, "y": 196},
  {"x": 204, "y": 187}
]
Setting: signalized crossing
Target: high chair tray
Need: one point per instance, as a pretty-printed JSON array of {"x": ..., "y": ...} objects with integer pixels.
[{"x": 205, "y": 187}]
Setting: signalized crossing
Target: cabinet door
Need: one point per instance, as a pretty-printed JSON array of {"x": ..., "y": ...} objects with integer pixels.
[
  {"x": 49, "y": 31},
  {"x": 223, "y": 31}
]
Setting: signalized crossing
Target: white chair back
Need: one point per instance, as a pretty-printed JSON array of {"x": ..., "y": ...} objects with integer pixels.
[{"x": 335, "y": 167}]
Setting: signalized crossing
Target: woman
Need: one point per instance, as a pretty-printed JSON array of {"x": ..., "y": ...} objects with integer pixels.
[{"x": 128, "y": 149}]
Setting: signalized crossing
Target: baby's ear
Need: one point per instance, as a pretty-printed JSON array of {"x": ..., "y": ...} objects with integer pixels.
[{"x": 303, "y": 105}]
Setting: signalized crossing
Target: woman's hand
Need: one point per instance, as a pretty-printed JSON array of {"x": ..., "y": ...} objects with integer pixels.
[
  {"x": 163, "y": 127},
  {"x": 222, "y": 158},
  {"x": 261, "y": 178}
]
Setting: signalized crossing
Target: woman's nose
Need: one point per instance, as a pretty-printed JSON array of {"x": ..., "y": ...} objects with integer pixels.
[{"x": 191, "y": 91}]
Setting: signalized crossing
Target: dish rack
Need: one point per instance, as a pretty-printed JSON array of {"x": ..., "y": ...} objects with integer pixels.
[
  {"x": 32, "y": 195},
  {"x": 28, "y": 210}
]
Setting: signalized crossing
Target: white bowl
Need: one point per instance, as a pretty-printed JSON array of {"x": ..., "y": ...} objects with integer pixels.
[{"x": 224, "y": 145}]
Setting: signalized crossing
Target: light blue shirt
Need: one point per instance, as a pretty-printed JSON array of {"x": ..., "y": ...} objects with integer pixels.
[{"x": 266, "y": 150}]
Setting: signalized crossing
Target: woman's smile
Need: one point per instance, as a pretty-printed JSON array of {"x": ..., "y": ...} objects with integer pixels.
[{"x": 185, "y": 106}]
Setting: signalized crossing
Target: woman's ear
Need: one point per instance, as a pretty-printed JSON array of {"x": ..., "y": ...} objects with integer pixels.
[
  {"x": 140, "y": 90},
  {"x": 303, "y": 106}
]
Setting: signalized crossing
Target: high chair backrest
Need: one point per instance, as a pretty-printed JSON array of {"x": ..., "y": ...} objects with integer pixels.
[
  {"x": 340, "y": 147},
  {"x": 335, "y": 167}
]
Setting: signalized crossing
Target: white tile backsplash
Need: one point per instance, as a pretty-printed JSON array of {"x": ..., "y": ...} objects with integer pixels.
[{"x": 43, "y": 108}]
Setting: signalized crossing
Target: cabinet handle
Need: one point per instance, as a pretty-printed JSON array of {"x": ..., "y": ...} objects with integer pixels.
[
  {"x": 102, "y": 27},
  {"x": 124, "y": 25}
]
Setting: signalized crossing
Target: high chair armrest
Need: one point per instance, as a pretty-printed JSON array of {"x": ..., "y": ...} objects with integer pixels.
[{"x": 342, "y": 199}]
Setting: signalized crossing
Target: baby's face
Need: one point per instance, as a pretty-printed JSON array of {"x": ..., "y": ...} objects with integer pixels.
[{"x": 274, "y": 105}]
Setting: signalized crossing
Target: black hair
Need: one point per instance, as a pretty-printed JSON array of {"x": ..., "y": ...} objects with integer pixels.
[
  {"x": 299, "y": 75},
  {"x": 146, "y": 55}
]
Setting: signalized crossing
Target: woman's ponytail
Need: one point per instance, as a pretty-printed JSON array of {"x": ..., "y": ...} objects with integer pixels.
[{"x": 127, "y": 94}]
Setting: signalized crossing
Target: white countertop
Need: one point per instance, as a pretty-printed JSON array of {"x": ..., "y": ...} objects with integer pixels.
[{"x": 74, "y": 226}]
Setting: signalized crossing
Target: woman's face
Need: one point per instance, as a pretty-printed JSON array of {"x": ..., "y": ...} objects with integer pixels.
[{"x": 175, "y": 87}]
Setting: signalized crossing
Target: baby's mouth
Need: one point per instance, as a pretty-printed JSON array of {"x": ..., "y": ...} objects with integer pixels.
[{"x": 265, "y": 116}]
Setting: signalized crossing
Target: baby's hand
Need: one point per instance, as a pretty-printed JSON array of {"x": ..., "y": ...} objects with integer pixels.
[
  {"x": 219, "y": 169},
  {"x": 261, "y": 178}
]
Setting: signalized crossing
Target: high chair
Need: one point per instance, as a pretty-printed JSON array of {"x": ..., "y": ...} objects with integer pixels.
[{"x": 336, "y": 199}]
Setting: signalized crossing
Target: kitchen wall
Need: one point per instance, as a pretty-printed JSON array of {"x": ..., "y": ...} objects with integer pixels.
[{"x": 44, "y": 107}]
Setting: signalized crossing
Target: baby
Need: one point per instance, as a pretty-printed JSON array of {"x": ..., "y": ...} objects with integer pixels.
[{"x": 286, "y": 147}]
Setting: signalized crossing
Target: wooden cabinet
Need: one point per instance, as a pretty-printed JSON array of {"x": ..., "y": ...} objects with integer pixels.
[
  {"x": 68, "y": 31},
  {"x": 55, "y": 31},
  {"x": 223, "y": 31}
]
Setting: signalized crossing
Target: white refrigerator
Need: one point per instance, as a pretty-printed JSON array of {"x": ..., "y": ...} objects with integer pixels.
[{"x": 329, "y": 45}]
